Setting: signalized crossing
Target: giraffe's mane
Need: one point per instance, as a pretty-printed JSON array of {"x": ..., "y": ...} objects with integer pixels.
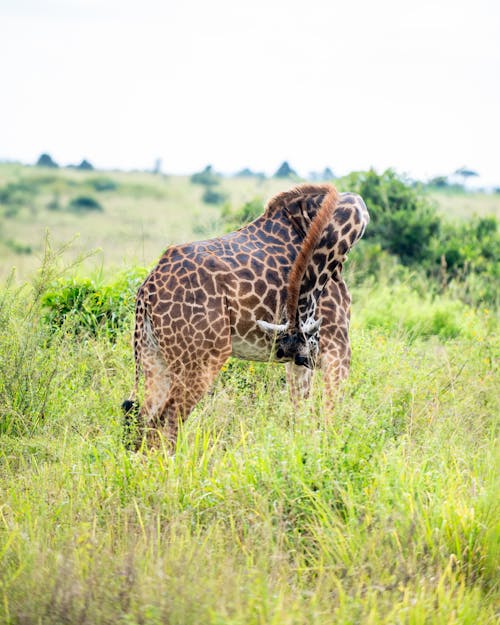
[
  {"x": 323, "y": 216},
  {"x": 300, "y": 192}
]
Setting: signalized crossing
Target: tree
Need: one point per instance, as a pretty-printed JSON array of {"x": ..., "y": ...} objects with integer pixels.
[
  {"x": 206, "y": 177},
  {"x": 157, "y": 167},
  {"x": 45, "y": 160},
  {"x": 439, "y": 182},
  {"x": 213, "y": 196},
  {"x": 285, "y": 171},
  {"x": 465, "y": 174},
  {"x": 248, "y": 173},
  {"x": 85, "y": 165}
]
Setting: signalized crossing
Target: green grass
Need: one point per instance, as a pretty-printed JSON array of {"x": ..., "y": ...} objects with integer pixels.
[
  {"x": 140, "y": 217},
  {"x": 382, "y": 512},
  {"x": 460, "y": 205}
]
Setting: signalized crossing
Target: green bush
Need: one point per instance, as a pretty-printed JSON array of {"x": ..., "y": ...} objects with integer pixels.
[
  {"x": 472, "y": 243},
  {"x": 248, "y": 212},
  {"x": 246, "y": 172},
  {"x": 103, "y": 184},
  {"x": 85, "y": 165},
  {"x": 399, "y": 308},
  {"x": 11, "y": 210},
  {"x": 212, "y": 196},
  {"x": 17, "y": 247},
  {"x": 206, "y": 177},
  {"x": 405, "y": 224},
  {"x": 285, "y": 171},
  {"x": 439, "y": 182},
  {"x": 403, "y": 221},
  {"x": 84, "y": 203},
  {"x": 84, "y": 305},
  {"x": 466, "y": 259},
  {"x": 45, "y": 160},
  {"x": 17, "y": 194}
]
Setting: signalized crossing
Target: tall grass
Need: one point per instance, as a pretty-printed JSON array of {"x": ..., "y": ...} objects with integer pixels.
[{"x": 384, "y": 511}]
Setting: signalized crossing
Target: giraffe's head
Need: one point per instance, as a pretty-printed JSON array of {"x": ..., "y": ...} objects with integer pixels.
[{"x": 301, "y": 345}]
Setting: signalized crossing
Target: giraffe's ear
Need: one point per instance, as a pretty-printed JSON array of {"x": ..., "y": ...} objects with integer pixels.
[
  {"x": 311, "y": 327},
  {"x": 272, "y": 327}
]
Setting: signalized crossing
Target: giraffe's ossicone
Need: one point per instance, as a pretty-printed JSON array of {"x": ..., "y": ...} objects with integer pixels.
[{"x": 271, "y": 290}]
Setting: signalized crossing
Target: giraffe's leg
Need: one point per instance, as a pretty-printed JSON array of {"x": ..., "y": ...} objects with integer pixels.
[
  {"x": 299, "y": 381},
  {"x": 335, "y": 349},
  {"x": 187, "y": 385},
  {"x": 335, "y": 362},
  {"x": 157, "y": 382}
]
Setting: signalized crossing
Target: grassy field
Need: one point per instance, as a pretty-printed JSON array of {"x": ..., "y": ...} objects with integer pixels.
[
  {"x": 465, "y": 205},
  {"x": 385, "y": 511},
  {"x": 142, "y": 214}
]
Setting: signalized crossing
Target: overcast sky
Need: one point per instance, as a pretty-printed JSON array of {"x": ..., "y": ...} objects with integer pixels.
[{"x": 349, "y": 85}]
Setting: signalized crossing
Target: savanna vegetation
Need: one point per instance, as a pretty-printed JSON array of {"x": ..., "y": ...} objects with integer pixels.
[{"x": 384, "y": 511}]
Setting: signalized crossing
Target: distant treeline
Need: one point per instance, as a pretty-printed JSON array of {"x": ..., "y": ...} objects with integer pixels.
[{"x": 456, "y": 181}]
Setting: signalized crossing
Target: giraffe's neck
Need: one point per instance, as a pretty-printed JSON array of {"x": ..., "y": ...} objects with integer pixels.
[{"x": 347, "y": 227}]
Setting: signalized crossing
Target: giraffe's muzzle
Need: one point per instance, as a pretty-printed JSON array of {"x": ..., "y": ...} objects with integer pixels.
[{"x": 303, "y": 361}]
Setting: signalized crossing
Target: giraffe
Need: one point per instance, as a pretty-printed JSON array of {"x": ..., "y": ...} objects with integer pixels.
[{"x": 270, "y": 291}]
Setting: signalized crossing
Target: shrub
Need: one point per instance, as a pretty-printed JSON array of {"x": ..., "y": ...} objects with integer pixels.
[
  {"x": 45, "y": 160},
  {"x": 11, "y": 210},
  {"x": 18, "y": 193},
  {"x": 403, "y": 221},
  {"x": 206, "y": 177},
  {"x": 475, "y": 243},
  {"x": 468, "y": 254},
  {"x": 212, "y": 196},
  {"x": 399, "y": 307},
  {"x": 246, "y": 172},
  {"x": 248, "y": 212},
  {"x": 16, "y": 247},
  {"x": 369, "y": 262},
  {"x": 285, "y": 171},
  {"x": 103, "y": 184},
  {"x": 439, "y": 182},
  {"x": 84, "y": 203},
  {"x": 84, "y": 305},
  {"x": 85, "y": 165}
]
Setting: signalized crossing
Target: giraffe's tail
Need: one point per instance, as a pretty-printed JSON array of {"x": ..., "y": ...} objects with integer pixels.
[
  {"x": 131, "y": 421},
  {"x": 131, "y": 406}
]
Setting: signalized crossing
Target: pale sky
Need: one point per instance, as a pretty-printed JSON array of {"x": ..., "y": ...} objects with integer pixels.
[{"x": 349, "y": 85}]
